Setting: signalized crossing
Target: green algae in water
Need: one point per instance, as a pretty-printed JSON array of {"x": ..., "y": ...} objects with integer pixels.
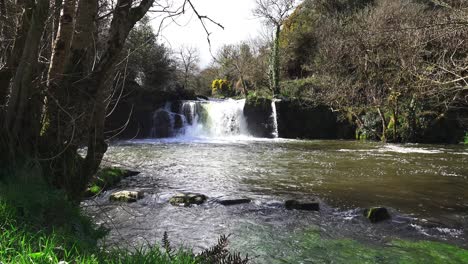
[
  {"x": 309, "y": 246},
  {"x": 315, "y": 249}
]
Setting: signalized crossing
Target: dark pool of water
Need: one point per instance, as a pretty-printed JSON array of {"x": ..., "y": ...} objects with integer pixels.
[{"x": 424, "y": 187}]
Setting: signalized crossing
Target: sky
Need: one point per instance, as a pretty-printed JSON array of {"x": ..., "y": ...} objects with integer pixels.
[{"x": 235, "y": 15}]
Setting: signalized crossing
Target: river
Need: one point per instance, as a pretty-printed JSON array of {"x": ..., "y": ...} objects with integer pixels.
[{"x": 424, "y": 188}]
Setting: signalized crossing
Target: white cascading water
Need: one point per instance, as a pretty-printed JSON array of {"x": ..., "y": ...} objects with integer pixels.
[
  {"x": 274, "y": 117},
  {"x": 214, "y": 119}
]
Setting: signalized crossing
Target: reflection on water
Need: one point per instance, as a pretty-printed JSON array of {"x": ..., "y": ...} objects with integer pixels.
[{"x": 423, "y": 186}]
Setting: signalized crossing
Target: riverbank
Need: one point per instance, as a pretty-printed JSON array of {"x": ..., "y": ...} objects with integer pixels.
[{"x": 39, "y": 225}]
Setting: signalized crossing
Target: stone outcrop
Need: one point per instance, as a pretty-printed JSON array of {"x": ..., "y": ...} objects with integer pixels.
[
  {"x": 376, "y": 214},
  {"x": 301, "y": 119},
  {"x": 187, "y": 199},
  {"x": 126, "y": 196},
  {"x": 258, "y": 113}
]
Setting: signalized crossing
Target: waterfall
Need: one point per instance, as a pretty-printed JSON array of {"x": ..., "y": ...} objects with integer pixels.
[
  {"x": 213, "y": 118},
  {"x": 274, "y": 117}
]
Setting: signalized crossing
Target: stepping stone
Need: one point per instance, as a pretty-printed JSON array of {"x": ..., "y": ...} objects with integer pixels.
[
  {"x": 228, "y": 202},
  {"x": 126, "y": 196},
  {"x": 302, "y": 205},
  {"x": 187, "y": 199},
  {"x": 376, "y": 214}
]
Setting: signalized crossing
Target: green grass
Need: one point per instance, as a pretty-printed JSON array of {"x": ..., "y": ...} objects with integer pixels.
[
  {"x": 465, "y": 140},
  {"x": 39, "y": 225}
]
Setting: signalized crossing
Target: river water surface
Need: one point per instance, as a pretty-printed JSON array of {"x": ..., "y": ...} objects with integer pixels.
[{"x": 424, "y": 187}]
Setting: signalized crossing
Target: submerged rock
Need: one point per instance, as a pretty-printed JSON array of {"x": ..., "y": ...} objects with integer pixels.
[
  {"x": 228, "y": 202},
  {"x": 130, "y": 173},
  {"x": 377, "y": 214},
  {"x": 313, "y": 205},
  {"x": 126, "y": 196},
  {"x": 187, "y": 199}
]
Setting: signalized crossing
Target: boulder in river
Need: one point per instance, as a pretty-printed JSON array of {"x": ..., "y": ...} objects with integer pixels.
[
  {"x": 228, "y": 202},
  {"x": 377, "y": 214},
  {"x": 187, "y": 199},
  {"x": 312, "y": 205},
  {"x": 126, "y": 196}
]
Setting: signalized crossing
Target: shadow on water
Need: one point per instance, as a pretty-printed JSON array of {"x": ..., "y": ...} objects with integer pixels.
[{"x": 424, "y": 188}]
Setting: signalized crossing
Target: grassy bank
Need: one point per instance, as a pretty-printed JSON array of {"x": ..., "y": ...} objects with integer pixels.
[{"x": 39, "y": 225}]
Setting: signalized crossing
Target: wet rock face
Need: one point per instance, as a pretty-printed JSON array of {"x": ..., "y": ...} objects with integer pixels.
[
  {"x": 312, "y": 205},
  {"x": 162, "y": 124},
  {"x": 376, "y": 214},
  {"x": 187, "y": 199},
  {"x": 258, "y": 113},
  {"x": 298, "y": 119},
  {"x": 126, "y": 196}
]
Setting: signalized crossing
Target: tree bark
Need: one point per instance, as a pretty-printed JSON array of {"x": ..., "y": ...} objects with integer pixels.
[
  {"x": 384, "y": 125},
  {"x": 18, "y": 119},
  {"x": 92, "y": 87},
  {"x": 62, "y": 42},
  {"x": 15, "y": 54}
]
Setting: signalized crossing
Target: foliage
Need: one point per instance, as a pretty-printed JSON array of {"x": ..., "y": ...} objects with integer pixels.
[
  {"x": 301, "y": 88},
  {"x": 187, "y": 67},
  {"x": 57, "y": 71},
  {"x": 466, "y": 138},
  {"x": 149, "y": 62},
  {"x": 399, "y": 62},
  {"x": 221, "y": 87},
  {"x": 257, "y": 94}
]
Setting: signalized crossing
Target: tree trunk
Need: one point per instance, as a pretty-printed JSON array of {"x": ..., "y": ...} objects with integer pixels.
[
  {"x": 18, "y": 118},
  {"x": 384, "y": 125},
  {"x": 14, "y": 55},
  {"x": 62, "y": 42},
  {"x": 395, "y": 121},
  {"x": 91, "y": 87},
  {"x": 412, "y": 119}
]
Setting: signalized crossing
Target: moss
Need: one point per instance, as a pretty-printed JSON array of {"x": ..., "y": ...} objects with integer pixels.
[
  {"x": 95, "y": 189},
  {"x": 106, "y": 178}
]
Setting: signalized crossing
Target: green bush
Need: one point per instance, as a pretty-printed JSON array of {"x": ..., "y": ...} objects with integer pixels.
[
  {"x": 222, "y": 87},
  {"x": 301, "y": 88}
]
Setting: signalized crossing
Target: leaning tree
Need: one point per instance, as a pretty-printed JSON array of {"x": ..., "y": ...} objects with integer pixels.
[{"x": 57, "y": 65}]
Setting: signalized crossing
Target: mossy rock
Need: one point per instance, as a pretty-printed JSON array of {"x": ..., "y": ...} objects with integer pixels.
[
  {"x": 106, "y": 178},
  {"x": 377, "y": 214},
  {"x": 187, "y": 199},
  {"x": 93, "y": 190},
  {"x": 126, "y": 196}
]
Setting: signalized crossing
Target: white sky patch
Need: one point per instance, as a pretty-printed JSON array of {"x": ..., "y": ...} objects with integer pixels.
[{"x": 235, "y": 15}]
